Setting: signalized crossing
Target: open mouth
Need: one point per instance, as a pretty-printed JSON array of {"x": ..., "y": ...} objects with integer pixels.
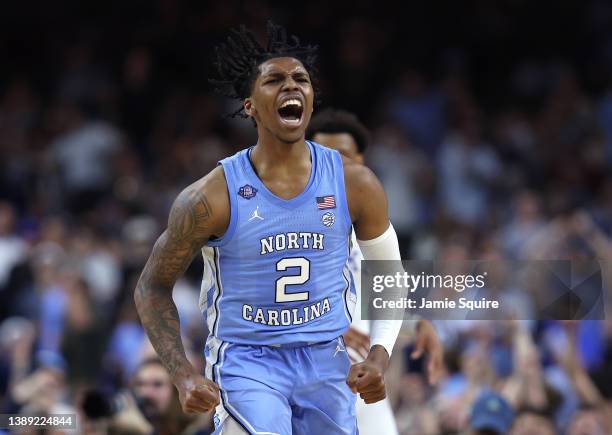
[{"x": 291, "y": 111}]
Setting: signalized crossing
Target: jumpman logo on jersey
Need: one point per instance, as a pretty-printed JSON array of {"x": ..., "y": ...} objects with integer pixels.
[
  {"x": 255, "y": 215},
  {"x": 339, "y": 348}
]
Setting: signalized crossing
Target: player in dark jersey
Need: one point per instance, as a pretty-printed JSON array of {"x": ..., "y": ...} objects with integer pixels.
[{"x": 263, "y": 382}]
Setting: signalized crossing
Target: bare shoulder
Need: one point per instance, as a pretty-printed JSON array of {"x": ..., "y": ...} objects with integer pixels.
[
  {"x": 366, "y": 199},
  {"x": 361, "y": 184},
  {"x": 201, "y": 210}
]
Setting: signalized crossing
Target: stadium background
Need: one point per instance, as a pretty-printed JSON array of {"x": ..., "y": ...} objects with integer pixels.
[{"x": 491, "y": 130}]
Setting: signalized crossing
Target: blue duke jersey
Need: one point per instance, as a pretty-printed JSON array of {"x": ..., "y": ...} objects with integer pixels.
[{"x": 279, "y": 274}]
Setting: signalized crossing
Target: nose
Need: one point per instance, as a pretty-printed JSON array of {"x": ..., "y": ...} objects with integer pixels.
[{"x": 290, "y": 84}]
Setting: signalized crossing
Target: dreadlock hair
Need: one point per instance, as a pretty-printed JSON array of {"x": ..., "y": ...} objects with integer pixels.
[
  {"x": 333, "y": 121},
  {"x": 237, "y": 60}
]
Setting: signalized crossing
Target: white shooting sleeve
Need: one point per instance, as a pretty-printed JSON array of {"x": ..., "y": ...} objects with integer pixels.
[{"x": 383, "y": 247}]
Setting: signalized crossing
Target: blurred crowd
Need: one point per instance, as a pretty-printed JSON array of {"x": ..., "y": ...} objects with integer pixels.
[{"x": 485, "y": 153}]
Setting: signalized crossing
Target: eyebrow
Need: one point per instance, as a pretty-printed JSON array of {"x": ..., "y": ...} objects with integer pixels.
[{"x": 276, "y": 73}]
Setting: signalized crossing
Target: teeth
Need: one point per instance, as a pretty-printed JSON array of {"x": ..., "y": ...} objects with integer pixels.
[{"x": 293, "y": 102}]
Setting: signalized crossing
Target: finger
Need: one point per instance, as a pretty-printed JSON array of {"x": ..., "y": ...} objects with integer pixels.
[
  {"x": 212, "y": 386},
  {"x": 375, "y": 399},
  {"x": 207, "y": 401},
  {"x": 435, "y": 368},
  {"x": 200, "y": 406},
  {"x": 208, "y": 388},
  {"x": 374, "y": 387},
  {"x": 419, "y": 346},
  {"x": 369, "y": 381},
  {"x": 354, "y": 375},
  {"x": 373, "y": 396},
  {"x": 432, "y": 376},
  {"x": 197, "y": 407},
  {"x": 207, "y": 397}
]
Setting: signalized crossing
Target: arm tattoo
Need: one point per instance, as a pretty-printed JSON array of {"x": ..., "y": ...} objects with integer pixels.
[
  {"x": 188, "y": 230},
  {"x": 188, "y": 216}
]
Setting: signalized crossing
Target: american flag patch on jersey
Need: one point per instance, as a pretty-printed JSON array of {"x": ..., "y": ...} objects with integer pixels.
[{"x": 325, "y": 202}]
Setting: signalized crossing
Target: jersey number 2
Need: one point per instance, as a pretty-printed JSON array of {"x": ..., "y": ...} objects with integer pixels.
[{"x": 301, "y": 278}]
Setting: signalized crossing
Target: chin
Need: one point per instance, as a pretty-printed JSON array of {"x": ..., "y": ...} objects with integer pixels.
[{"x": 291, "y": 136}]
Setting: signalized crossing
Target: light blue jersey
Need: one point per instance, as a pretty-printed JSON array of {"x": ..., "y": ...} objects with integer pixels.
[
  {"x": 277, "y": 295},
  {"x": 279, "y": 274}
]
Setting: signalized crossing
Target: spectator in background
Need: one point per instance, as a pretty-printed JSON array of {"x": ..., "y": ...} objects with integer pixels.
[
  {"x": 83, "y": 335},
  {"x": 468, "y": 169},
  {"x": 17, "y": 337},
  {"x": 44, "y": 391},
  {"x": 401, "y": 168},
  {"x": 415, "y": 413},
  {"x": 527, "y": 220},
  {"x": 529, "y": 422},
  {"x": 153, "y": 390},
  {"x": 97, "y": 262},
  {"x": 50, "y": 298},
  {"x": 150, "y": 408},
  {"x": 589, "y": 421},
  {"x": 157, "y": 400},
  {"x": 84, "y": 154},
  {"x": 491, "y": 414}
]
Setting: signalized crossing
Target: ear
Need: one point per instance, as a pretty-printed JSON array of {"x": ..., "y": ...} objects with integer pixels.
[{"x": 249, "y": 107}]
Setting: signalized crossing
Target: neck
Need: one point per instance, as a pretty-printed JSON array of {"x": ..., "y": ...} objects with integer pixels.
[{"x": 271, "y": 151}]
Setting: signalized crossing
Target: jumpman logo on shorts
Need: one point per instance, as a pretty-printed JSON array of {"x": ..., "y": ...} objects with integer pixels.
[
  {"x": 255, "y": 215},
  {"x": 339, "y": 348}
]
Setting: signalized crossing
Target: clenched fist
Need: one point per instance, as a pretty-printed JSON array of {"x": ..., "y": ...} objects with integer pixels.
[
  {"x": 368, "y": 378},
  {"x": 197, "y": 394}
]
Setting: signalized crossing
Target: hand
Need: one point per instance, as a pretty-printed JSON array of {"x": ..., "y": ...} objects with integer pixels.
[
  {"x": 197, "y": 394},
  {"x": 357, "y": 341},
  {"x": 367, "y": 378},
  {"x": 427, "y": 341}
]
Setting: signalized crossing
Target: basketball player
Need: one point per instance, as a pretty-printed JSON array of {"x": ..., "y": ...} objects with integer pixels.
[
  {"x": 343, "y": 132},
  {"x": 273, "y": 222}
]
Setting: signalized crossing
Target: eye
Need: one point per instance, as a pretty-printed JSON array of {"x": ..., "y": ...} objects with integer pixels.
[{"x": 271, "y": 81}]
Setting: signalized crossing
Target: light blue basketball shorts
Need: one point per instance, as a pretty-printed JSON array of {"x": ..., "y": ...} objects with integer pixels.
[{"x": 288, "y": 390}]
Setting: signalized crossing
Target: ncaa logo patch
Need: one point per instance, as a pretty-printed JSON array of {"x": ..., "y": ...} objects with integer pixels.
[
  {"x": 328, "y": 219},
  {"x": 247, "y": 191}
]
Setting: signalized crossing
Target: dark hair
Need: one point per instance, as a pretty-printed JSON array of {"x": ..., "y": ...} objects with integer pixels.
[
  {"x": 335, "y": 121},
  {"x": 238, "y": 59}
]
